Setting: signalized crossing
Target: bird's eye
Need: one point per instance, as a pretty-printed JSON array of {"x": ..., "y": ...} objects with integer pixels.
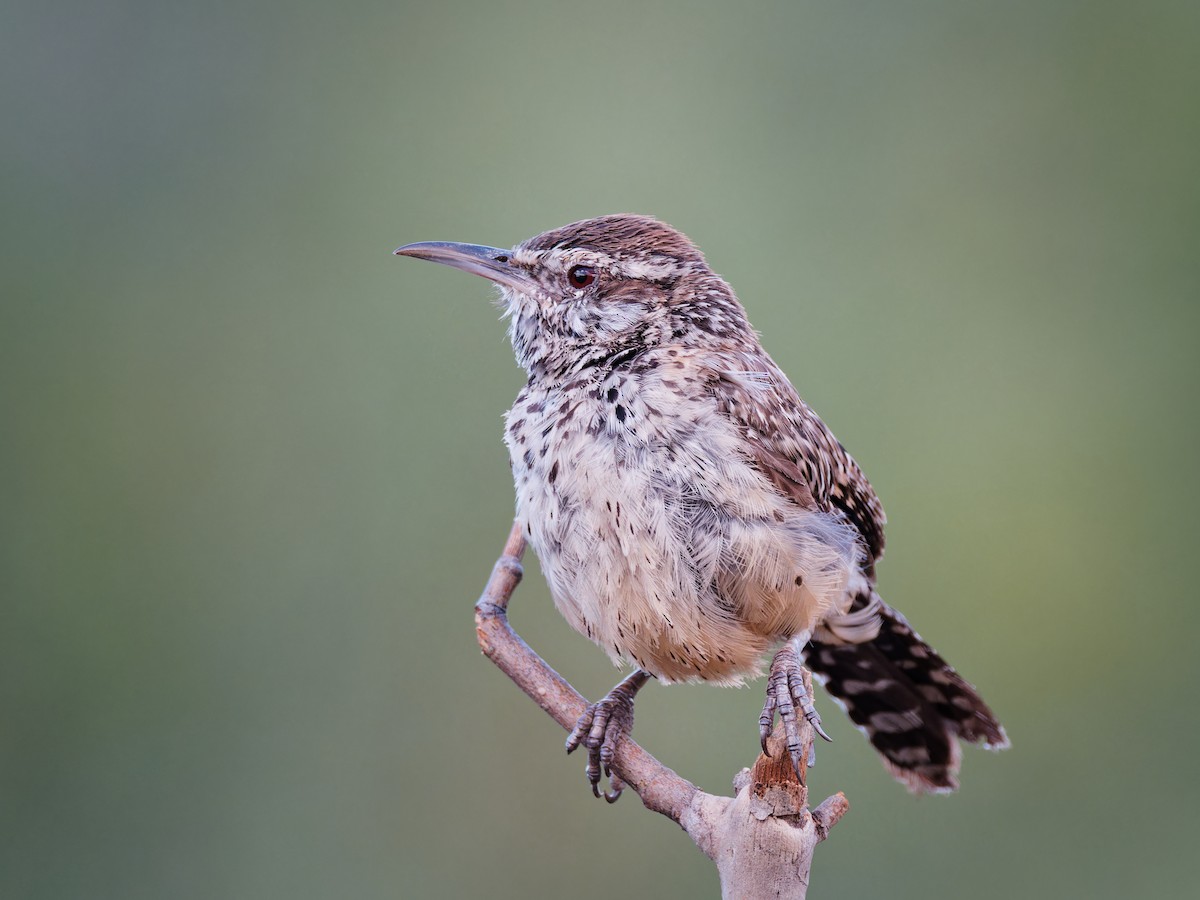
[{"x": 581, "y": 276}]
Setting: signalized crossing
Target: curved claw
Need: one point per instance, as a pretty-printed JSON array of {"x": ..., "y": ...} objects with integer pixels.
[
  {"x": 797, "y": 689},
  {"x": 618, "y": 785},
  {"x": 816, "y": 725}
]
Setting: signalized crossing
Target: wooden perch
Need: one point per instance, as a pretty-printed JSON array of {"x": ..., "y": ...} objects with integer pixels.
[{"x": 762, "y": 840}]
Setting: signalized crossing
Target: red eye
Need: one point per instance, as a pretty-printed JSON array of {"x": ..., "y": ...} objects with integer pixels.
[{"x": 581, "y": 276}]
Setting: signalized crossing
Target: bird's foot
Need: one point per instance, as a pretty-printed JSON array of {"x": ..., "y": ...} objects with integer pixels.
[
  {"x": 601, "y": 728},
  {"x": 785, "y": 693}
]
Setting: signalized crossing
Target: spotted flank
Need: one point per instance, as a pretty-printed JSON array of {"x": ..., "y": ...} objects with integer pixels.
[{"x": 911, "y": 705}]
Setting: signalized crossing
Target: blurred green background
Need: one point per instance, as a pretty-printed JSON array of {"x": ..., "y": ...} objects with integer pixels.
[{"x": 251, "y": 475}]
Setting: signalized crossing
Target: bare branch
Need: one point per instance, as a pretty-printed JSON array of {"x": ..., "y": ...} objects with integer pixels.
[{"x": 762, "y": 840}]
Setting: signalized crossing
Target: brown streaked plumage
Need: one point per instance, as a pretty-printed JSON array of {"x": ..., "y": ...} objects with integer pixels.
[{"x": 690, "y": 511}]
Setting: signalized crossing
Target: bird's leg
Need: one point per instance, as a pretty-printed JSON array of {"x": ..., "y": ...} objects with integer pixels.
[
  {"x": 785, "y": 692},
  {"x": 601, "y": 728}
]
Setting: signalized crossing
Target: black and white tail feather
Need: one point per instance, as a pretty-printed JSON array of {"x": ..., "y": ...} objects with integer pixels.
[{"x": 909, "y": 702}]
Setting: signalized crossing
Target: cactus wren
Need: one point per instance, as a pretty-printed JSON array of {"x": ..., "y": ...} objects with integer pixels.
[{"x": 690, "y": 511}]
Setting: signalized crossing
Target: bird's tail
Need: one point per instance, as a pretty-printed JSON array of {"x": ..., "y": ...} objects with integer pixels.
[{"x": 912, "y": 706}]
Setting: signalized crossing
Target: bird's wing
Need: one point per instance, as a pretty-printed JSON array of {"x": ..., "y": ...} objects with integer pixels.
[{"x": 793, "y": 447}]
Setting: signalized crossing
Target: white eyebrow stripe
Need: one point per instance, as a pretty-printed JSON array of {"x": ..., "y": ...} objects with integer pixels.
[
  {"x": 652, "y": 270},
  {"x": 564, "y": 255}
]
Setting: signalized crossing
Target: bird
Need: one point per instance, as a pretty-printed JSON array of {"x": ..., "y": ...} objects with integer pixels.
[{"x": 691, "y": 514}]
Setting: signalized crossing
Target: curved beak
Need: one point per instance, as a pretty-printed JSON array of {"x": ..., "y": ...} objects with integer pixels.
[{"x": 492, "y": 263}]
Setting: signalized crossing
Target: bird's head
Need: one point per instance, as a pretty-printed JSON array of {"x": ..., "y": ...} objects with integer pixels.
[{"x": 596, "y": 289}]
